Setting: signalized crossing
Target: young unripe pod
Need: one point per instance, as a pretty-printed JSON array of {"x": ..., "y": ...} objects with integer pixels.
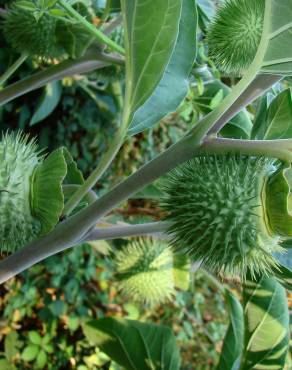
[
  {"x": 235, "y": 34},
  {"x": 39, "y": 34},
  {"x": 31, "y": 197},
  {"x": 145, "y": 271},
  {"x": 217, "y": 209},
  {"x": 26, "y": 34}
]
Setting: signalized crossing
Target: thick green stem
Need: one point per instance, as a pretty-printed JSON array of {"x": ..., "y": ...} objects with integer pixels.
[
  {"x": 75, "y": 228},
  {"x": 91, "y": 28},
  {"x": 85, "y": 64},
  {"x": 125, "y": 231},
  {"x": 41, "y": 249},
  {"x": 103, "y": 165},
  {"x": 281, "y": 149},
  {"x": 13, "y": 68},
  {"x": 69, "y": 189}
]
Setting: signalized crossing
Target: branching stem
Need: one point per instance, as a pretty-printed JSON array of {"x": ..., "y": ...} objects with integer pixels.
[
  {"x": 38, "y": 251},
  {"x": 103, "y": 165},
  {"x": 87, "y": 63},
  {"x": 91, "y": 28},
  {"x": 71, "y": 231},
  {"x": 281, "y": 149}
]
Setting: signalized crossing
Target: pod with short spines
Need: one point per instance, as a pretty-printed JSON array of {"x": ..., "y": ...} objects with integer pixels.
[
  {"x": 217, "y": 212},
  {"x": 145, "y": 271},
  {"x": 44, "y": 37},
  {"x": 235, "y": 34},
  {"x": 35, "y": 37},
  {"x": 26, "y": 179}
]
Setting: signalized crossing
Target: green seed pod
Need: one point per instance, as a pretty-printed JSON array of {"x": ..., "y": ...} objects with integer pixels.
[
  {"x": 26, "y": 34},
  {"x": 235, "y": 34},
  {"x": 217, "y": 209},
  {"x": 145, "y": 271},
  {"x": 26, "y": 182}
]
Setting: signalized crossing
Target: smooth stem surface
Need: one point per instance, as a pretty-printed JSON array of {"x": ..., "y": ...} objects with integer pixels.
[
  {"x": 91, "y": 28},
  {"x": 13, "y": 68},
  {"x": 87, "y": 63},
  {"x": 103, "y": 165},
  {"x": 36, "y": 252},
  {"x": 124, "y": 231},
  {"x": 74, "y": 229},
  {"x": 281, "y": 149}
]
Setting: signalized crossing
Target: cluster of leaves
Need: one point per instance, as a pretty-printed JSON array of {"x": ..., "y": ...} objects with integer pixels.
[
  {"x": 55, "y": 298},
  {"x": 52, "y": 299}
]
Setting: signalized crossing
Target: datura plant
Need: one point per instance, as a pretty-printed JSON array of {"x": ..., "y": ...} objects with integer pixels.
[{"x": 225, "y": 186}]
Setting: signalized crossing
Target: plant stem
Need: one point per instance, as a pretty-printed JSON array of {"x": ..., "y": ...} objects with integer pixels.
[
  {"x": 103, "y": 165},
  {"x": 87, "y": 63},
  {"x": 91, "y": 28},
  {"x": 107, "y": 233},
  {"x": 39, "y": 250},
  {"x": 281, "y": 149},
  {"x": 13, "y": 68},
  {"x": 90, "y": 197},
  {"x": 74, "y": 229}
]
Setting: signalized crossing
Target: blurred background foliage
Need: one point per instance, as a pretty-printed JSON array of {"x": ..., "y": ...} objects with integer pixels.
[{"x": 42, "y": 310}]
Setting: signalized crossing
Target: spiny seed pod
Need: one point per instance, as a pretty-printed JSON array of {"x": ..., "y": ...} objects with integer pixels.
[
  {"x": 217, "y": 210},
  {"x": 145, "y": 271},
  {"x": 27, "y": 181},
  {"x": 26, "y": 34},
  {"x": 235, "y": 34}
]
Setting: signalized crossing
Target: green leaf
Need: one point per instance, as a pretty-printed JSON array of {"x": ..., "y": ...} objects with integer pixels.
[
  {"x": 240, "y": 126},
  {"x": 47, "y": 197},
  {"x": 30, "y": 352},
  {"x": 5, "y": 365},
  {"x": 260, "y": 121},
  {"x": 26, "y": 5},
  {"x": 48, "y": 102},
  {"x": 41, "y": 359},
  {"x": 34, "y": 337},
  {"x": 181, "y": 271},
  {"x": 114, "y": 5},
  {"x": 11, "y": 344},
  {"x": 74, "y": 175},
  {"x": 267, "y": 330},
  {"x": 278, "y": 37},
  {"x": 160, "y": 62},
  {"x": 233, "y": 341},
  {"x": 279, "y": 118},
  {"x": 135, "y": 345}
]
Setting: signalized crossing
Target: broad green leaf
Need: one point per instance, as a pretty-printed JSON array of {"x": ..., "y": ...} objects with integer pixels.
[
  {"x": 135, "y": 345},
  {"x": 279, "y": 117},
  {"x": 41, "y": 359},
  {"x": 30, "y": 352},
  {"x": 114, "y": 5},
  {"x": 11, "y": 346},
  {"x": 278, "y": 37},
  {"x": 240, "y": 126},
  {"x": 48, "y": 102},
  {"x": 74, "y": 175},
  {"x": 5, "y": 365},
  {"x": 161, "y": 50},
  {"x": 267, "y": 330},
  {"x": 260, "y": 121},
  {"x": 34, "y": 337},
  {"x": 233, "y": 341},
  {"x": 26, "y": 5}
]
